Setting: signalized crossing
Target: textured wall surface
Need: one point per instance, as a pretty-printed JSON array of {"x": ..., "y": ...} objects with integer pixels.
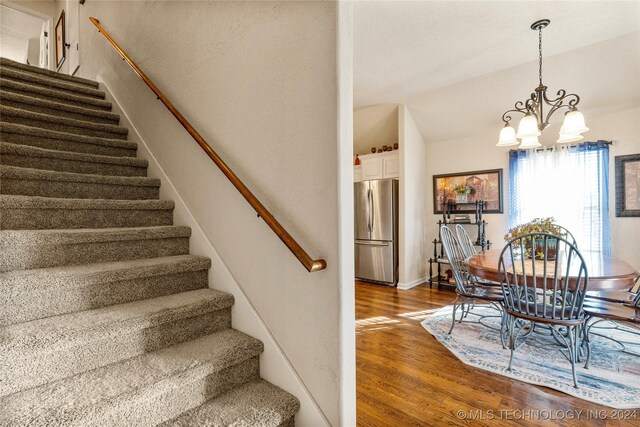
[{"x": 258, "y": 80}]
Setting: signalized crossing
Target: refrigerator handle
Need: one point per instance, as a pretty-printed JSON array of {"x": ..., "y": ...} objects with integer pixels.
[{"x": 371, "y": 209}]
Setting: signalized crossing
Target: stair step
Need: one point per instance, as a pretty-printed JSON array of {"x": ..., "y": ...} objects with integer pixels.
[
  {"x": 45, "y": 106},
  {"x": 27, "y": 295},
  {"x": 38, "y": 213},
  {"x": 66, "y": 161},
  {"x": 61, "y": 124},
  {"x": 145, "y": 390},
  {"x": 41, "y": 80},
  {"x": 53, "y": 94},
  {"x": 255, "y": 403},
  {"x": 68, "y": 185},
  {"x": 63, "y": 141},
  {"x": 48, "y": 73},
  {"x": 31, "y": 249},
  {"x": 58, "y": 347}
]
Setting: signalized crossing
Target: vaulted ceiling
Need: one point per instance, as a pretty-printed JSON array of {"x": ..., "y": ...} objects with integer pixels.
[{"x": 458, "y": 65}]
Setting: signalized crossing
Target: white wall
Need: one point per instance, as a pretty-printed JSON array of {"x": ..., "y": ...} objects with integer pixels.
[
  {"x": 413, "y": 202},
  {"x": 374, "y": 127},
  {"x": 479, "y": 152},
  {"x": 623, "y": 128},
  {"x": 259, "y": 82}
]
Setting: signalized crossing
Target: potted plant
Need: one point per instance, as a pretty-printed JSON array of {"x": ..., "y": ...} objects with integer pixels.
[
  {"x": 537, "y": 225},
  {"x": 462, "y": 192}
]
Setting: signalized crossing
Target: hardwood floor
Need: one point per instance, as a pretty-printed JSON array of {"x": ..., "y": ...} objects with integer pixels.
[{"x": 405, "y": 377}]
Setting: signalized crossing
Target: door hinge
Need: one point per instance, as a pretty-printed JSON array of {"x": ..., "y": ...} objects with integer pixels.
[{"x": 46, "y": 34}]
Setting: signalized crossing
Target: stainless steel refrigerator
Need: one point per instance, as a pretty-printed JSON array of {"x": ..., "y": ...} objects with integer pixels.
[{"x": 376, "y": 229}]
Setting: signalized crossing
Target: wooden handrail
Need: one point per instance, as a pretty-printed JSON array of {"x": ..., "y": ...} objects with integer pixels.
[{"x": 310, "y": 264}]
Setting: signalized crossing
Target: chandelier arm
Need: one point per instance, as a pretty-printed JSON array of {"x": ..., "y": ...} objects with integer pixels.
[
  {"x": 572, "y": 99},
  {"x": 555, "y": 108},
  {"x": 507, "y": 118},
  {"x": 558, "y": 103},
  {"x": 519, "y": 107},
  {"x": 531, "y": 105}
]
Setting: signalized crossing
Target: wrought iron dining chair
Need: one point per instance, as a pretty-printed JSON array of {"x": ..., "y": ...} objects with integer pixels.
[
  {"x": 614, "y": 306},
  {"x": 467, "y": 291},
  {"x": 468, "y": 249},
  {"x": 465, "y": 242},
  {"x": 613, "y": 295},
  {"x": 544, "y": 280},
  {"x": 600, "y": 311}
]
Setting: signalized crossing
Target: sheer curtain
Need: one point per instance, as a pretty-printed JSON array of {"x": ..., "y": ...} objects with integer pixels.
[{"x": 568, "y": 183}]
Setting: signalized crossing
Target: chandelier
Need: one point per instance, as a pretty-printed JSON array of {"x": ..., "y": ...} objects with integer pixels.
[{"x": 536, "y": 119}]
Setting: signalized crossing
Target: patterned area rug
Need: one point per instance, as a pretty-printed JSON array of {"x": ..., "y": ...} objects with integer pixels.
[{"x": 613, "y": 377}]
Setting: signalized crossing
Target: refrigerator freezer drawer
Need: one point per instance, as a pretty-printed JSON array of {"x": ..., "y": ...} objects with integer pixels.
[{"x": 374, "y": 261}]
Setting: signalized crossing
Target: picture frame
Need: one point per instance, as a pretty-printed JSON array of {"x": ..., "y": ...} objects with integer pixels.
[
  {"x": 60, "y": 41},
  {"x": 627, "y": 170},
  {"x": 486, "y": 185}
]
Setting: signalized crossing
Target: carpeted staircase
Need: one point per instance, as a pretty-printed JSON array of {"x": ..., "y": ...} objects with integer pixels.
[{"x": 105, "y": 318}]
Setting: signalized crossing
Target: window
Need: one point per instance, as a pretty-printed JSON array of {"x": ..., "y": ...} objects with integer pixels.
[{"x": 568, "y": 183}]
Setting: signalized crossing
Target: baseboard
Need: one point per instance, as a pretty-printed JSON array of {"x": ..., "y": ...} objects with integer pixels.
[
  {"x": 275, "y": 367},
  {"x": 412, "y": 284}
]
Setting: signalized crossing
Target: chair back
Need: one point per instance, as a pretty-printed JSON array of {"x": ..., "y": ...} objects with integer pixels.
[
  {"x": 568, "y": 235},
  {"x": 551, "y": 285},
  {"x": 456, "y": 257},
  {"x": 465, "y": 241},
  {"x": 636, "y": 286},
  {"x": 636, "y": 299}
]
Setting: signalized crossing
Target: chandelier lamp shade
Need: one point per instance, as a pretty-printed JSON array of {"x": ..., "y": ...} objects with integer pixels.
[{"x": 538, "y": 109}]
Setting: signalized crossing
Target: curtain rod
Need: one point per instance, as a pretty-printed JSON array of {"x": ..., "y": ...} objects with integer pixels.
[
  {"x": 574, "y": 145},
  {"x": 537, "y": 150}
]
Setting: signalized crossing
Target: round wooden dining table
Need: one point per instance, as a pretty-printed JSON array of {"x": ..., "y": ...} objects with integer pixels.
[{"x": 605, "y": 273}]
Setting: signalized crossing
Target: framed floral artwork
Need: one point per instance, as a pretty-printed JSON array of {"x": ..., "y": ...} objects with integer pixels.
[{"x": 465, "y": 188}]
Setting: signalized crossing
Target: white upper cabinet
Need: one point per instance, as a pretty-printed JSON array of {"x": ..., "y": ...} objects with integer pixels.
[
  {"x": 378, "y": 166},
  {"x": 391, "y": 165}
]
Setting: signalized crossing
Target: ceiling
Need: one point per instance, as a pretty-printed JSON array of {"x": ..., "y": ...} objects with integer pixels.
[{"x": 458, "y": 65}]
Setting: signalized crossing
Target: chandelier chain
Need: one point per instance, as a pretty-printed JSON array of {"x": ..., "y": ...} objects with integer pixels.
[{"x": 540, "y": 54}]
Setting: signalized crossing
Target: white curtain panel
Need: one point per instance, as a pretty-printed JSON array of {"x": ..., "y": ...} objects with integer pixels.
[{"x": 569, "y": 184}]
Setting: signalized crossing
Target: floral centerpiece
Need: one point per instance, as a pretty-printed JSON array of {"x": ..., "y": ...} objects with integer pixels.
[
  {"x": 462, "y": 192},
  {"x": 537, "y": 225}
]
